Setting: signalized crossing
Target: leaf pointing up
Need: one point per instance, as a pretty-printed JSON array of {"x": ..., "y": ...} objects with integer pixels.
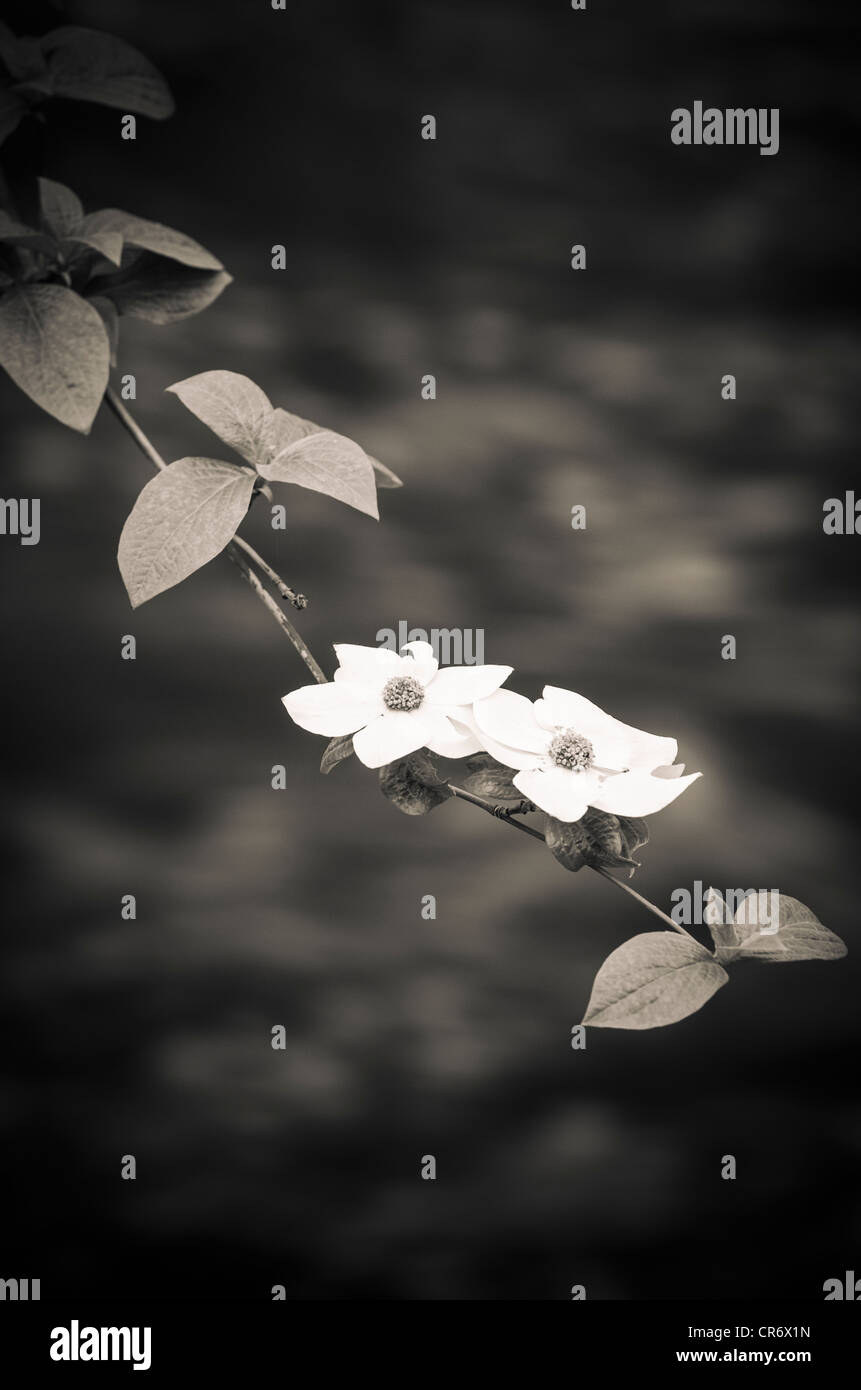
[
  {"x": 61, "y": 209},
  {"x": 233, "y": 407},
  {"x": 182, "y": 519}
]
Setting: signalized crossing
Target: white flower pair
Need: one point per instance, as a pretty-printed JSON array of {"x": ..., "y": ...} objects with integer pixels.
[{"x": 568, "y": 754}]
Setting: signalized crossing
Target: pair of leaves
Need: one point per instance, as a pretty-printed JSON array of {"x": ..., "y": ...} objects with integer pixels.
[
  {"x": 749, "y": 933},
  {"x": 660, "y": 978},
  {"x": 57, "y": 340},
  {"x": 80, "y": 64},
  {"x": 414, "y": 784},
  {"x": 284, "y": 448},
  {"x": 600, "y": 840},
  {"x": 190, "y": 511}
]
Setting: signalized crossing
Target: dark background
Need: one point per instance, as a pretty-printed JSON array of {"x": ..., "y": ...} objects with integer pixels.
[{"x": 301, "y": 907}]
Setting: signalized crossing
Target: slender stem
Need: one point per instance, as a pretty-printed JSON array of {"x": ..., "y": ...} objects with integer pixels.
[
  {"x": 503, "y": 814},
  {"x": 650, "y": 907},
  {"x": 278, "y": 614},
  {"x": 297, "y": 600},
  {"x": 129, "y": 423},
  {"x": 233, "y": 549},
  {"x": 499, "y": 812}
]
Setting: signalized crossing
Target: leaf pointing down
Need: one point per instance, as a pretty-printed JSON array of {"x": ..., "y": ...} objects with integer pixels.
[
  {"x": 322, "y": 461},
  {"x": 414, "y": 784},
  {"x": 159, "y": 290},
  {"x": 55, "y": 347},
  {"x": 233, "y": 407},
  {"x": 596, "y": 839},
  {"x": 183, "y": 518},
  {"x": 652, "y": 980},
  {"x": 335, "y": 752},
  {"x": 487, "y": 777}
]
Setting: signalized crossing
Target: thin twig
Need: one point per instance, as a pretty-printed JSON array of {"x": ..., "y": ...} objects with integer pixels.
[
  {"x": 297, "y": 600},
  {"x": 493, "y": 809},
  {"x": 626, "y": 888},
  {"x": 129, "y": 423},
  {"x": 233, "y": 549},
  {"x": 501, "y": 813},
  {"x": 278, "y": 614}
]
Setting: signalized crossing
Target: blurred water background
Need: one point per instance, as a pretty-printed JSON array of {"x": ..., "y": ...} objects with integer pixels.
[{"x": 301, "y": 907}]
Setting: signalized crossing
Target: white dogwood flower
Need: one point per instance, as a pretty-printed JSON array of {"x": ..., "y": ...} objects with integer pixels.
[
  {"x": 570, "y": 755},
  {"x": 394, "y": 704}
]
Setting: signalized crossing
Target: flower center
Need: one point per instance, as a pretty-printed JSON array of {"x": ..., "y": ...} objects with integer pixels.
[
  {"x": 403, "y": 693},
  {"x": 571, "y": 751}
]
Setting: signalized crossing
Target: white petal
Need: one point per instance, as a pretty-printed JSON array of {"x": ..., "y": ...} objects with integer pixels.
[
  {"x": 562, "y": 794},
  {"x": 616, "y": 744},
  {"x": 509, "y": 719},
  {"x": 366, "y": 665},
  {"x": 639, "y": 793},
  {"x": 332, "y": 709},
  {"x": 460, "y": 739},
  {"x": 463, "y": 685},
  {"x": 421, "y": 662},
  {"x": 392, "y": 735},
  {"x": 669, "y": 771}
]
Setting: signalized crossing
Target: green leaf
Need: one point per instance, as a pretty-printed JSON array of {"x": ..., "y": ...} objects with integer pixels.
[
  {"x": 596, "y": 840},
  {"x": 652, "y": 980},
  {"x": 335, "y": 752},
  {"x": 61, "y": 209},
  {"x": 233, "y": 407},
  {"x": 183, "y": 518},
  {"x": 151, "y": 236},
  {"x": 487, "y": 777},
  {"x": 54, "y": 346},
  {"x": 322, "y": 461},
  {"x": 88, "y": 65},
  {"x": 159, "y": 290},
  {"x": 413, "y": 784},
  {"x": 800, "y": 934}
]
